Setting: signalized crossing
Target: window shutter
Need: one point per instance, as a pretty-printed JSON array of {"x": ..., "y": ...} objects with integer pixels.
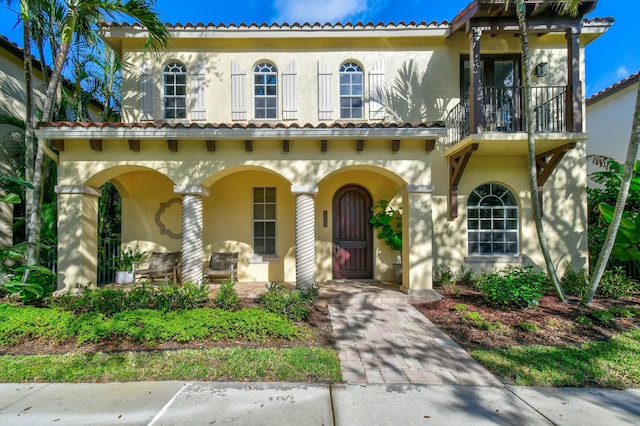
[
  {"x": 238, "y": 92},
  {"x": 199, "y": 92},
  {"x": 147, "y": 92},
  {"x": 376, "y": 88},
  {"x": 325, "y": 111},
  {"x": 289, "y": 92}
]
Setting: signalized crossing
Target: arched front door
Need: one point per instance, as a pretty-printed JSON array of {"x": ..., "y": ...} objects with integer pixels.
[{"x": 352, "y": 234}]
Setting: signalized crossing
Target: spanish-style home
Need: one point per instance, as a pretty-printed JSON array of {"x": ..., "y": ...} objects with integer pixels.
[
  {"x": 275, "y": 141},
  {"x": 610, "y": 117}
]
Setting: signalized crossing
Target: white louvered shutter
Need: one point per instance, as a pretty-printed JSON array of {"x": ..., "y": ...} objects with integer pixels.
[
  {"x": 325, "y": 107},
  {"x": 376, "y": 89},
  {"x": 147, "y": 92},
  {"x": 238, "y": 92},
  {"x": 289, "y": 92},
  {"x": 199, "y": 92}
]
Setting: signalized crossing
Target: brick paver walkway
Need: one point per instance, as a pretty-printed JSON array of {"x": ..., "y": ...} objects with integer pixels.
[{"x": 383, "y": 343}]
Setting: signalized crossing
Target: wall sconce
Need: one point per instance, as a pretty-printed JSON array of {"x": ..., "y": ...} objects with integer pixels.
[{"x": 541, "y": 69}]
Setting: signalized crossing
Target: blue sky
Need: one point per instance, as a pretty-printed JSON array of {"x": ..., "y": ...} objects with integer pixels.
[{"x": 609, "y": 59}]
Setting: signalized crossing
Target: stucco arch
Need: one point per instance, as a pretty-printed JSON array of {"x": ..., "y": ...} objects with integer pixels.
[
  {"x": 110, "y": 173},
  {"x": 227, "y": 171},
  {"x": 397, "y": 180}
]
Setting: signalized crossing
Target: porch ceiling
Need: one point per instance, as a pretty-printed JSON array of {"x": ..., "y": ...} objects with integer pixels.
[{"x": 513, "y": 144}]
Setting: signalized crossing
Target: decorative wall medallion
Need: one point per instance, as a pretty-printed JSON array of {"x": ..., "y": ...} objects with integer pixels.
[{"x": 163, "y": 208}]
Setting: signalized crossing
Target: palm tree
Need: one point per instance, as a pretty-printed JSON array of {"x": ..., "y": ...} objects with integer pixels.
[
  {"x": 531, "y": 144},
  {"x": 79, "y": 19},
  {"x": 625, "y": 184}
]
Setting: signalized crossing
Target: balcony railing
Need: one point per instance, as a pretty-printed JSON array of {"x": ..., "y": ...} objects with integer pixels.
[{"x": 503, "y": 111}]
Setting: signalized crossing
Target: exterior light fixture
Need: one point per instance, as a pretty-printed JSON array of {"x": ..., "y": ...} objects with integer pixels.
[{"x": 541, "y": 69}]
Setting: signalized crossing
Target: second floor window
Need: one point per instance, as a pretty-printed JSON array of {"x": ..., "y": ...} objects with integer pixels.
[
  {"x": 175, "y": 90},
  {"x": 351, "y": 91},
  {"x": 265, "y": 86}
]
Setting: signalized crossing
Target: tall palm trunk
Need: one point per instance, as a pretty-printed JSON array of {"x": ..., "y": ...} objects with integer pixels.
[
  {"x": 612, "y": 232},
  {"x": 531, "y": 145}
]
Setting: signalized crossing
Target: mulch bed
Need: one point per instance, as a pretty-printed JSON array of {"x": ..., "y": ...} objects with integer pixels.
[{"x": 557, "y": 322}]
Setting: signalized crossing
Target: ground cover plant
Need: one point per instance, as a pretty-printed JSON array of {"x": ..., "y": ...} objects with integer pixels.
[
  {"x": 551, "y": 343},
  {"x": 149, "y": 332}
]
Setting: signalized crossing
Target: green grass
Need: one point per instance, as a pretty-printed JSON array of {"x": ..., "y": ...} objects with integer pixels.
[
  {"x": 298, "y": 364},
  {"x": 614, "y": 363}
]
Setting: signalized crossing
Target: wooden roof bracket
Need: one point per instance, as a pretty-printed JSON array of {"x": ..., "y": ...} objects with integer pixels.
[
  {"x": 546, "y": 163},
  {"x": 457, "y": 163}
]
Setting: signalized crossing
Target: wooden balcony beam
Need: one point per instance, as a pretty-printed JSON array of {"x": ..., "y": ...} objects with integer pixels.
[
  {"x": 457, "y": 164},
  {"x": 546, "y": 163},
  {"x": 95, "y": 144},
  {"x": 134, "y": 145}
]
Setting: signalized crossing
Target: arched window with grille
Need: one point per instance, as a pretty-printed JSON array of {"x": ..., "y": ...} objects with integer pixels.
[
  {"x": 265, "y": 91},
  {"x": 492, "y": 221},
  {"x": 175, "y": 90},
  {"x": 351, "y": 91}
]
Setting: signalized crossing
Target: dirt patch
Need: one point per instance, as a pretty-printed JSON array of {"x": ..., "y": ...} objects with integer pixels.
[
  {"x": 558, "y": 324},
  {"x": 318, "y": 323}
]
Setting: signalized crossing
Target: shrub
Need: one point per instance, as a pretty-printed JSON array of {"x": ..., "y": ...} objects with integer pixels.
[
  {"x": 444, "y": 275},
  {"x": 616, "y": 284},
  {"x": 465, "y": 276},
  {"x": 528, "y": 327},
  {"x": 575, "y": 283},
  {"x": 514, "y": 286},
  {"x": 173, "y": 296},
  {"x": 624, "y": 312},
  {"x": 480, "y": 322},
  {"x": 602, "y": 315},
  {"x": 109, "y": 301},
  {"x": 584, "y": 320},
  {"x": 294, "y": 305},
  {"x": 227, "y": 297},
  {"x": 459, "y": 307}
]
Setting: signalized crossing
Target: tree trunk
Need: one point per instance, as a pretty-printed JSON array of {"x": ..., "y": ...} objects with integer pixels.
[
  {"x": 612, "y": 232},
  {"x": 54, "y": 82},
  {"x": 531, "y": 144}
]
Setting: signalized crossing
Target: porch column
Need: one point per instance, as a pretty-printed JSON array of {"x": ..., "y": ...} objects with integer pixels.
[
  {"x": 574, "y": 85},
  {"x": 77, "y": 235},
  {"x": 417, "y": 241},
  {"x": 191, "y": 262},
  {"x": 305, "y": 235},
  {"x": 475, "y": 83}
]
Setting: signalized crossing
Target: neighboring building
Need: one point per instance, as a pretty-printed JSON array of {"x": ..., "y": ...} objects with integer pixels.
[
  {"x": 609, "y": 117},
  {"x": 12, "y": 102},
  {"x": 275, "y": 141}
]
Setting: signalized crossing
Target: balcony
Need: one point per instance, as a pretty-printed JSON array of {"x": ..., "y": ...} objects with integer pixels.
[{"x": 503, "y": 111}]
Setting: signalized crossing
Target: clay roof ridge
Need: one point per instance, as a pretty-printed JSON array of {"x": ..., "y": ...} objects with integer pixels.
[{"x": 615, "y": 87}]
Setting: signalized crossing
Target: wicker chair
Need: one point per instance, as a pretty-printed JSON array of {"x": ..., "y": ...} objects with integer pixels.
[
  {"x": 161, "y": 266},
  {"x": 222, "y": 265}
]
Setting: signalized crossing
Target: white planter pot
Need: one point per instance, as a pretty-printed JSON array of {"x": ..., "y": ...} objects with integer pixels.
[{"x": 124, "y": 277}]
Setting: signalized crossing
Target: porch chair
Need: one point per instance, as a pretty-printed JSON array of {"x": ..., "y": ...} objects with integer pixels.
[
  {"x": 160, "y": 266},
  {"x": 221, "y": 265}
]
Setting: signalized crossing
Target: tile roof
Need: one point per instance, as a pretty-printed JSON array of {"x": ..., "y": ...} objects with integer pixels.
[
  {"x": 260, "y": 125},
  {"x": 287, "y": 26},
  {"x": 616, "y": 87}
]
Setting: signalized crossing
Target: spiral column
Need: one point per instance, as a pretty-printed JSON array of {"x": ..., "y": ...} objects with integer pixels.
[
  {"x": 305, "y": 235},
  {"x": 191, "y": 262}
]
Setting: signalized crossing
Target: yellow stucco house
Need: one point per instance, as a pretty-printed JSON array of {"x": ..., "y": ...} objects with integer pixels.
[{"x": 276, "y": 140}]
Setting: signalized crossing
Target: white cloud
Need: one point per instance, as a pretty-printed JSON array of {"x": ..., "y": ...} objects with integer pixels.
[
  {"x": 622, "y": 72},
  {"x": 318, "y": 10}
]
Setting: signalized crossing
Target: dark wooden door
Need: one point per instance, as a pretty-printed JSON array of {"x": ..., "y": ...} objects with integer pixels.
[{"x": 352, "y": 234}]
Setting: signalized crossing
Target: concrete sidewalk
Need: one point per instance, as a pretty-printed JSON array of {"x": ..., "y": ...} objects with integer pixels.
[{"x": 198, "y": 403}]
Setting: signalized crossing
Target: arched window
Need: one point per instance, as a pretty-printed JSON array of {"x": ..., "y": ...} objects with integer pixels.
[
  {"x": 175, "y": 90},
  {"x": 492, "y": 221},
  {"x": 351, "y": 91},
  {"x": 265, "y": 90}
]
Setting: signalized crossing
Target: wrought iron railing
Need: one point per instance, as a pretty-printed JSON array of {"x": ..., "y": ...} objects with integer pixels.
[{"x": 503, "y": 111}]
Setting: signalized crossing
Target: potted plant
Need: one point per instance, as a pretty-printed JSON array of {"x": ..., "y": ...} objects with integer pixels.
[
  {"x": 388, "y": 222},
  {"x": 124, "y": 264}
]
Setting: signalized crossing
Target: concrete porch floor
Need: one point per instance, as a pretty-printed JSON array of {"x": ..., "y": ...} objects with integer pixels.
[{"x": 351, "y": 292}]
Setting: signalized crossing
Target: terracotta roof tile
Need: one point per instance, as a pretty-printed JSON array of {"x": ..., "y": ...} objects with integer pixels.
[
  {"x": 633, "y": 78},
  {"x": 278, "y": 125}
]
